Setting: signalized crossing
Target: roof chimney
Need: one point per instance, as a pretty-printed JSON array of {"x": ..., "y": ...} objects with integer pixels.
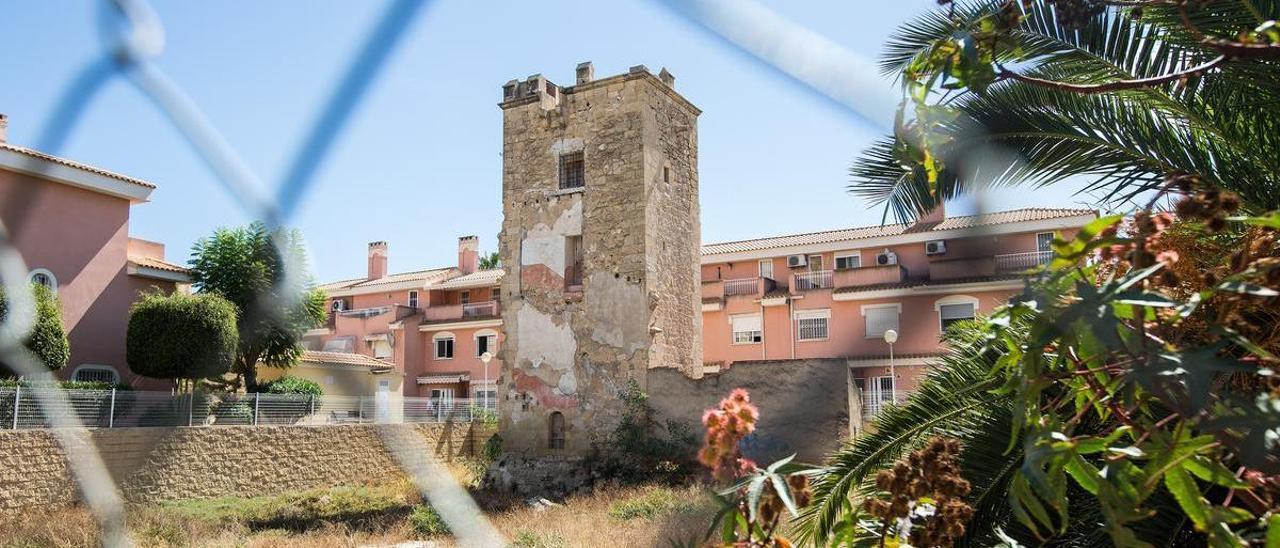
[
  {"x": 586, "y": 72},
  {"x": 667, "y": 78},
  {"x": 377, "y": 260},
  {"x": 468, "y": 254},
  {"x": 4, "y": 128},
  {"x": 938, "y": 215}
]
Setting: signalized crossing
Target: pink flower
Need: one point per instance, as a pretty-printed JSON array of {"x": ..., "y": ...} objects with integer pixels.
[{"x": 1167, "y": 257}]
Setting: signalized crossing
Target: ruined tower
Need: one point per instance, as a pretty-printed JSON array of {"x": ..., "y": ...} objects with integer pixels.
[{"x": 601, "y": 238}]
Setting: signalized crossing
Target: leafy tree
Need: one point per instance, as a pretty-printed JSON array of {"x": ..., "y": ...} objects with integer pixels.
[
  {"x": 182, "y": 336},
  {"x": 263, "y": 273},
  {"x": 47, "y": 340},
  {"x": 293, "y": 385},
  {"x": 490, "y": 261}
]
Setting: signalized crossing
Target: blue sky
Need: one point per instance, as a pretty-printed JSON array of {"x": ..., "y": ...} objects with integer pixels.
[{"x": 420, "y": 162}]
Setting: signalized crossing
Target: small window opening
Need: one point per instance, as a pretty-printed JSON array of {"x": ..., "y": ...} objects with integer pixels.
[
  {"x": 555, "y": 430},
  {"x": 571, "y": 170}
]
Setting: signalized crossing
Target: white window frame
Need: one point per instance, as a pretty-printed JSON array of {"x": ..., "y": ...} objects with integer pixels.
[
  {"x": 823, "y": 314},
  {"x": 809, "y": 262},
  {"x": 413, "y": 299},
  {"x": 954, "y": 300},
  {"x": 765, "y": 268},
  {"x": 733, "y": 335},
  {"x": 874, "y": 386},
  {"x": 493, "y": 345},
  {"x": 435, "y": 345},
  {"x": 857, "y": 255},
  {"x": 866, "y": 324},
  {"x": 444, "y": 395},
  {"x": 115, "y": 375},
  {"x": 53, "y": 280}
]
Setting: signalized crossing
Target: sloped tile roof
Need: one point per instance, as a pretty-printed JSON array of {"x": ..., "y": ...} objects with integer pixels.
[
  {"x": 479, "y": 278},
  {"x": 344, "y": 358},
  {"x": 77, "y": 165},
  {"x": 425, "y": 276},
  {"x": 158, "y": 264},
  {"x": 857, "y": 233}
]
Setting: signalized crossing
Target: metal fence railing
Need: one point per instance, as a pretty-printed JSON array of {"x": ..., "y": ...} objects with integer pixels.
[{"x": 23, "y": 408}]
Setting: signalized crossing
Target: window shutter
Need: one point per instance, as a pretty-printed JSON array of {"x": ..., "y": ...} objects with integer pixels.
[
  {"x": 746, "y": 322},
  {"x": 962, "y": 311},
  {"x": 880, "y": 320}
]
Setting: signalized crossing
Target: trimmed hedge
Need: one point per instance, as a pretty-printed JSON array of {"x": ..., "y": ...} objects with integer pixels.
[
  {"x": 48, "y": 339},
  {"x": 293, "y": 385},
  {"x": 182, "y": 336}
]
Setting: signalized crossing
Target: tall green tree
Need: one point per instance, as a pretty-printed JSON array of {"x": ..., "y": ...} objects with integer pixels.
[
  {"x": 48, "y": 339},
  {"x": 182, "y": 336},
  {"x": 263, "y": 273},
  {"x": 490, "y": 261}
]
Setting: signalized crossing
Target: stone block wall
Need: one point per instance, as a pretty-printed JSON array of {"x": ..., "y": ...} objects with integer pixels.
[
  {"x": 155, "y": 464},
  {"x": 569, "y": 347},
  {"x": 804, "y": 404}
]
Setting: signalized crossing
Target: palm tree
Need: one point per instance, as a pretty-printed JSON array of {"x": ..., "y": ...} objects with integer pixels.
[
  {"x": 490, "y": 261},
  {"x": 1124, "y": 101}
]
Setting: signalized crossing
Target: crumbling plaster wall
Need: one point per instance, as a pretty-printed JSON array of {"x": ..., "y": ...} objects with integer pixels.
[{"x": 572, "y": 351}]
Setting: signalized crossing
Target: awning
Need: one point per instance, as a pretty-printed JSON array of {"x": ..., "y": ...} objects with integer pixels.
[{"x": 448, "y": 378}]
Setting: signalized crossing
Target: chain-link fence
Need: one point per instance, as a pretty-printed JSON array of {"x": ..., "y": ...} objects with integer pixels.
[{"x": 133, "y": 38}]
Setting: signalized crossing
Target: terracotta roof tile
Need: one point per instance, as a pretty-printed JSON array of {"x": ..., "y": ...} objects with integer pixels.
[
  {"x": 344, "y": 358},
  {"x": 426, "y": 276},
  {"x": 158, "y": 264},
  {"x": 77, "y": 165},
  {"x": 858, "y": 233},
  {"x": 479, "y": 278}
]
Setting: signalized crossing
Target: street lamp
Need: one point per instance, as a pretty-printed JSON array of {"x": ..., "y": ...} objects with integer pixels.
[
  {"x": 890, "y": 337},
  {"x": 485, "y": 359}
]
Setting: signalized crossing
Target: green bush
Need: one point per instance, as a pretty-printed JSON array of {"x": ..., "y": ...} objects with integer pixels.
[
  {"x": 492, "y": 448},
  {"x": 47, "y": 340},
  {"x": 426, "y": 522},
  {"x": 181, "y": 336},
  {"x": 641, "y": 449},
  {"x": 293, "y": 385},
  {"x": 529, "y": 539},
  {"x": 652, "y": 504}
]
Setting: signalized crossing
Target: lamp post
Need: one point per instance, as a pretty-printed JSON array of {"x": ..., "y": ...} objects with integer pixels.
[
  {"x": 890, "y": 337},
  {"x": 486, "y": 358}
]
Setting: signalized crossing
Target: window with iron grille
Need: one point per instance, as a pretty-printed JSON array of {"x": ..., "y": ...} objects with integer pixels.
[
  {"x": 95, "y": 374},
  {"x": 571, "y": 170},
  {"x": 811, "y": 325}
]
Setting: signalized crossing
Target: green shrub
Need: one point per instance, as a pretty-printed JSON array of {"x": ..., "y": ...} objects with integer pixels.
[
  {"x": 47, "y": 340},
  {"x": 181, "y": 336},
  {"x": 293, "y": 385},
  {"x": 652, "y": 504},
  {"x": 492, "y": 448},
  {"x": 426, "y": 522},
  {"x": 641, "y": 449},
  {"x": 529, "y": 539}
]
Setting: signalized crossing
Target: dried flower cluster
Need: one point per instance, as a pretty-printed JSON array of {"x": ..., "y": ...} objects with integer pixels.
[
  {"x": 734, "y": 419},
  {"x": 1202, "y": 202},
  {"x": 1075, "y": 14},
  {"x": 931, "y": 474},
  {"x": 771, "y": 505}
]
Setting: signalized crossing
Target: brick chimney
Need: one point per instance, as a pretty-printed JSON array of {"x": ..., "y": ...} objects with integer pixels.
[
  {"x": 377, "y": 260},
  {"x": 468, "y": 254},
  {"x": 4, "y": 128}
]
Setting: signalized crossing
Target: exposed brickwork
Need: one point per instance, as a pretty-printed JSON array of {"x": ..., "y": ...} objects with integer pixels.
[
  {"x": 153, "y": 464},
  {"x": 570, "y": 348}
]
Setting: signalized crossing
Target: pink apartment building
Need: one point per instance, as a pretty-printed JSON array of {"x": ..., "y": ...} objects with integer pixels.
[
  {"x": 431, "y": 327},
  {"x": 70, "y": 222},
  {"x": 828, "y": 294}
]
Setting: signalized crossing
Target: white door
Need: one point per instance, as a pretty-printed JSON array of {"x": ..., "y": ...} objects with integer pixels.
[
  {"x": 766, "y": 268},
  {"x": 382, "y": 400}
]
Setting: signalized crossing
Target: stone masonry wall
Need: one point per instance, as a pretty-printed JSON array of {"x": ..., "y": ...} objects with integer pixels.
[
  {"x": 154, "y": 464},
  {"x": 804, "y": 404},
  {"x": 570, "y": 349}
]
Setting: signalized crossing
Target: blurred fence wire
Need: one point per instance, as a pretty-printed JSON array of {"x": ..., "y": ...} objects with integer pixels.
[{"x": 132, "y": 38}]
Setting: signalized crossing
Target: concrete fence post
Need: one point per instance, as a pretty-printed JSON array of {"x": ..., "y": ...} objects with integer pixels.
[
  {"x": 255, "y": 408},
  {"x": 17, "y": 397},
  {"x": 191, "y": 405},
  {"x": 111, "y": 412},
  {"x": 360, "y": 408},
  {"x": 311, "y": 405}
]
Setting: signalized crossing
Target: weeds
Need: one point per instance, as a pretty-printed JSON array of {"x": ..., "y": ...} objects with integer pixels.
[{"x": 657, "y": 502}]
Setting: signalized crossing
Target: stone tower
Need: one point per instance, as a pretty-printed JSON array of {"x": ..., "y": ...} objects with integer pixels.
[{"x": 601, "y": 238}]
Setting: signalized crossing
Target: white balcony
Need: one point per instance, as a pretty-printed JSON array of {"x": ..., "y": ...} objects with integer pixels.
[
  {"x": 818, "y": 279},
  {"x": 1018, "y": 262}
]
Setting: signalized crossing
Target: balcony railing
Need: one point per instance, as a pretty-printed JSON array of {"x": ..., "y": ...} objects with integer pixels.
[
  {"x": 486, "y": 308},
  {"x": 1017, "y": 262},
  {"x": 745, "y": 286},
  {"x": 818, "y": 279},
  {"x": 870, "y": 275}
]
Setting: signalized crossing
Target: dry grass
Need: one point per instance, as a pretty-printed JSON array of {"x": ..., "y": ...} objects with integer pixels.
[{"x": 374, "y": 516}]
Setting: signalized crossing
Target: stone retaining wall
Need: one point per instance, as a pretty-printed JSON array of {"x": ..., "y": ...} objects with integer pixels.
[{"x": 154, "y": 464}]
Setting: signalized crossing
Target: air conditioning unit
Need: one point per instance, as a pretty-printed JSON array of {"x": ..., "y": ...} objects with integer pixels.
[
  {"x": 339, "y": 305},
  {"x": 797, "y": 261},
  {"x": 936, "y": 247},
  {"x": 886, "y": 257}
]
